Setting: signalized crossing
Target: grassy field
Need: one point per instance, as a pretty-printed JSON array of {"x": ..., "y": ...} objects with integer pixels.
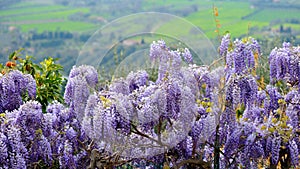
[
  {"x": 43, "y": 17},
  {"x": 48, "y": 15},
  {"x": 236, "y": 17},
  {"x": 271, "y": 14},
  {"x": 63, "y": 26},
  {"x": 230, "y": 17},
  {"x": 29, "y": 9}
]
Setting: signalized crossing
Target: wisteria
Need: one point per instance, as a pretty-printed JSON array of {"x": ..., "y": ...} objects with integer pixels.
[
  {"x": 12, "y": 87},
  {"x": 81, "y": 81},
  {"x": 189, "y": 116},
  {"x": 30, "y": 138},
  {"x": 273, "y": 124},
  {"x": 285, "y": 64}
]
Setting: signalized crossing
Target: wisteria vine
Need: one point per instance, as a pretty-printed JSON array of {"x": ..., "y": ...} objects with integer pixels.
[{"x": 189, "y": 117}]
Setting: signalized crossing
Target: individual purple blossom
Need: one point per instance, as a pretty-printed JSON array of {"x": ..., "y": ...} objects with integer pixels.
[
  {"x": 255, "y": 46},
  {"x": 55, "y": 108},
  {"x": 294, "y": 152},
  {"x": 187, "y": 77},
  {"x": 274, "y": 97},
  {"x": 88, "y": 119},
  {"x": 196, "y": 129},
  {"x": 233, "y": 92},
  {"x": 224, "y": 44},
  {"x": 268, "y": 146},
  {"x": 244, "y": 160},
  {"x": 281, "y": 62},
  {"x": 29, "y": 119},
  {"x": 174, "y": 58},
  {"x": 187, "y": 55},
  {"x": 202, "y": 78},
  {"x": 30, "y": 86},
  {"x": 135, "y": 80},
  {"x": 173, "y": 99},
  {"x": 3, "y": 150},
  {"x": 49, "y": 124},
  {"x": 272, "y": 62},
  {"x": 291, "y": 95},
  {"x": 187, "y": 107},
  {"x": 293, "y": 108},
  {"x": 71, "y": 134},
  {"x": 56, "y": 117},
  {"x": 41, "y": 150},
  {"x": 76, "y": 95},
  {"x": 189, "y": 146},
  {"x": 261, "y": 96},
  {"x": 169, "y": 60},
  {"x": 228, "y": 121},
  {"x": 103, "y": 123},
  {"x": 88, "y": 72},
  {"x": 253, "y": 148},
  {"x": 120, "y": 124},
  {"x": 229, "y": 61},
  {"x": 124, "y": 112},
  {"x": 157, "y": 49},
  {"x": 232, "y": 142},
  {"x": 248, "y": 90},
  {"x": 81, "y": 159},
  {"x": 119, "y": 86},
  {"x": 249, "y": 56},
  {"x": 18, "y": 152},
  {"x": 148, "y": 105},
  {"x": 82, "y": 80},
  {"x": 201, "y": 111},
  {"x": 239, "y": 60},
  {"x": 208, "y": 128},
  {"x": 286, "y": 44},
  {"x": 253, "y": 113},
  {"x": 184, "y": 148},
  {"x": 66, "y": 160},
  {"x": 276, "y": 144}
]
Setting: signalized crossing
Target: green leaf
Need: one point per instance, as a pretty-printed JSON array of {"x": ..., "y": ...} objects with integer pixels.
[{"x": 12, "y": 55}]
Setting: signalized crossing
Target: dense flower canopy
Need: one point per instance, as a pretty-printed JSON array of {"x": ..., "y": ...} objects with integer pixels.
[{"x": 190, "y": 115}]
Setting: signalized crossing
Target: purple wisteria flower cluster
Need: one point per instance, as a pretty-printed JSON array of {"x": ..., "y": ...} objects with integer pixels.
[
  {"x": 285, "y": 64},
  {"x": 12, "y": 87},
  {"x": 188, "y": 117},
  {"x": 30, "y": 138}
]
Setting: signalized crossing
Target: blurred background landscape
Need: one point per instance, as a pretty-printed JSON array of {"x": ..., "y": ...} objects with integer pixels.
[{"x": 59, "y": 28}]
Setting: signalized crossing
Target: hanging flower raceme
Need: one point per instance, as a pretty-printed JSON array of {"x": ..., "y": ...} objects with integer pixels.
[
  {"x": 223, "y": 48},
  {"x": 166, "y": 57},
  {"x": 82, "y": 80}
]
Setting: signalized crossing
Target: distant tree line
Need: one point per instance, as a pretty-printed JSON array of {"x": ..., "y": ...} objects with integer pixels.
[
  {"x": 6, "y": 3},
  {"x": 51, "y": 35},
  {"x": 271, "y": 4}
]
